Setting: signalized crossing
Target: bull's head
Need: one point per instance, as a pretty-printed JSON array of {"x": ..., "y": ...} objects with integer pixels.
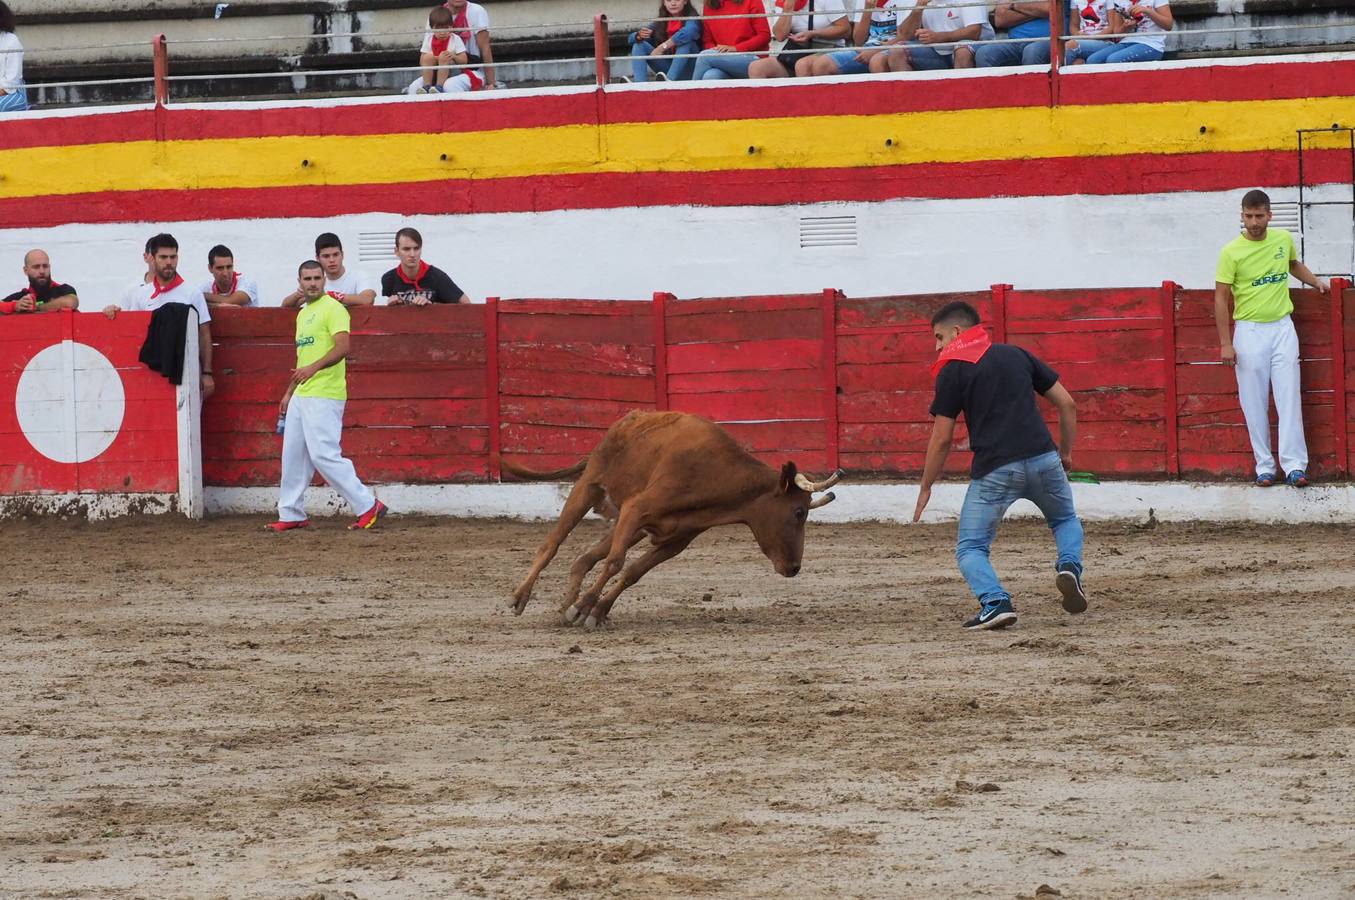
[{"x": 778, "y": 519}]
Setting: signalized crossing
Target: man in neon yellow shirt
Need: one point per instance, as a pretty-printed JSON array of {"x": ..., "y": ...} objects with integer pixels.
[
  {"x": 312, "y": 409},
  {"x": 1253, "y": 272}
]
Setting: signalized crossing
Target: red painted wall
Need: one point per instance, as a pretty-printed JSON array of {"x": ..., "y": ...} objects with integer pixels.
[{"x": 821, "y": 378}]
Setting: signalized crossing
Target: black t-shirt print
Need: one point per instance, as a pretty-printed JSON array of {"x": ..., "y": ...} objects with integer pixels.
[
  {"x": 997, "y": 396},
  {"x": 435, "y": 284}
]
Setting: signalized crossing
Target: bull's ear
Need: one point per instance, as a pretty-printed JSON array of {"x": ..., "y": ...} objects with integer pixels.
[{"x": 787, "y": 478}]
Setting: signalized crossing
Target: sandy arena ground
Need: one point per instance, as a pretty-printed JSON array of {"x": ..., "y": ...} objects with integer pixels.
[{"x": 208, "y": 710}]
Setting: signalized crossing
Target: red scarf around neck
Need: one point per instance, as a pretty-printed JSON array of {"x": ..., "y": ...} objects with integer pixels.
[
  {"x": 178, "y": 280},
  {"x": 235, "y": 285},
  {"x": 968, "y": 347},
  {"x": 414, "y": 283}
]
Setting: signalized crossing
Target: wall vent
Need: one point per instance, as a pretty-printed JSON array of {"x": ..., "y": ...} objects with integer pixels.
[
  {"x": 376, "y": 246},
  {"x": 827, "y": 231}
]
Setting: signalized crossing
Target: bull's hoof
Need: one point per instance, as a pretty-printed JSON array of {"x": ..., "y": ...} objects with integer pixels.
[
  {"x": 570, "y": 613},
  {"x": 593, "y": 623}
]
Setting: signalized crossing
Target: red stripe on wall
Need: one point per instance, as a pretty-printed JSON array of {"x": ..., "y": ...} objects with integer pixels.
[{"x": 1135, "y": 174}]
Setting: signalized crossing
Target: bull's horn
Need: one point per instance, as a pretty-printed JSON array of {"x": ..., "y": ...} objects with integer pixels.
[
  {"x": 822, "y": 501},
  {"x": 814, "y": 487}
]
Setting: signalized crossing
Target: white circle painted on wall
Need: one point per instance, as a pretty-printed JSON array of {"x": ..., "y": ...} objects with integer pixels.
[{"x": 70, "y": 402}]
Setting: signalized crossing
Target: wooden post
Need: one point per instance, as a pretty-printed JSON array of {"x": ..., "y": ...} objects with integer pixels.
[
  {"x": 999, "y": 294},
  {"x": 160, "y": 54},
  {"x": 828, "y": 366},
  {"x": 660, "y": 312},
  {"x": 1340, "y": 424},
  {"x": 1167, "y": 295},
  {"x": 492, "y": 403},
  {"x": 602, "y": 49}
]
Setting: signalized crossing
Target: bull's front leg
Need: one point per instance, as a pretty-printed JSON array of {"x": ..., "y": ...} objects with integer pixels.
[
  {"x": 635, "y": 571},
  {"x": 581, "y": 499},
  {"x": 583, "y": 565},
  {"x": 624, "y": 536}
]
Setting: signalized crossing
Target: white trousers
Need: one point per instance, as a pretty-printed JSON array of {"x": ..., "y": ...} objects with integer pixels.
[
  {"x": 1268, "y": 359},
  {"x": 310, "y": 443}
]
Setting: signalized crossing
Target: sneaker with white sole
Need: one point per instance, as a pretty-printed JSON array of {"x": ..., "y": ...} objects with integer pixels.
[
  {"x": 993, "y": 616},
  {"x": 1069, "y": 583}
]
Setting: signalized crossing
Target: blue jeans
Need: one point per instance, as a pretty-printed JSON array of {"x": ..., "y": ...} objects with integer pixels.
[
  {"x": 14, "y": 101},
  {"x": 1033, "y": 52},
  {"x": 925, "y": 58},
  {"x": 1084, "y": 49},
  {"x": 712, "y": 65},
  {"x": 1130, "y": 51},
  {"x": 1040, "y": 480},
  {"x": 676, "y": 69}
]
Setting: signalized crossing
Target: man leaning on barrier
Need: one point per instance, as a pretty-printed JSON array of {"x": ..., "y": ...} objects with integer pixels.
[{"x": 42, "y": 293}]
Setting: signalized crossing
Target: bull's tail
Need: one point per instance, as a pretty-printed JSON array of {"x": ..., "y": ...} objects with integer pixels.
[{"x": 555, "y": 475}]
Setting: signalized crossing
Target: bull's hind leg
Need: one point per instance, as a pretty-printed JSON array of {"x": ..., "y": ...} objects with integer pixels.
[
  {"x": 634, "y": 572},
  {"x": 581, "y": 499},
  {"x": 583, "y": 565}
]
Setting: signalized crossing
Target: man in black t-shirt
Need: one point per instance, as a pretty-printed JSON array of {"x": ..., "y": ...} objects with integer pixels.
[
  {"x": 42, "y": 294},
  {"x": 994, "y": 386},
  {"x": 414, "y": 282}
]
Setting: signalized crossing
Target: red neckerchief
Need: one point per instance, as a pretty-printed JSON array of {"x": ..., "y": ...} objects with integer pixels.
[
  {"x": 235, "y": 284},
  {"x": 336, "y": 295},
  {"x": 460, "y": 25},
  {"x": 440, "y": 44},
  {"x": 33, "y": 292},
  {"x": 423, "y": 270},
  {"x": 968, "y": 347},
  {"x": 178, "y": 280}
]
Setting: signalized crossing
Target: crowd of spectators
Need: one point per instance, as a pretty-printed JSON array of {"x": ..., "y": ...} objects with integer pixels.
[
  {"x": 411, "y": 282},
  {"x": 745, "y": 39}
]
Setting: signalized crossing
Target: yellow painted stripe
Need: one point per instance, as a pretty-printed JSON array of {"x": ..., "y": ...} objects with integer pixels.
[{"x": 791, "y": 143}]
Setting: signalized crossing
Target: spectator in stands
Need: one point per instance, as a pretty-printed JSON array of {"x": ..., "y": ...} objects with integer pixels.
[
  {"x": 312, "y": 410},
  {"x": 42, "y": 294},
  {"x": 876, "y": 28},
  {"x": 168, "y": 286},
  {"x": 681, "y": 40},
  {"x": 414, "y": 282},
  {"x": 442, "y": 47},
  {"x": 732, "y": 41},
  {"x": 799, "y": 26},
  {"x": 1027, "y": 26},
  {"x": 227, "y": 287},
  {"x": 934, "y": 34},
  {"x": 13, "y": 97},
  {"x": 1094, "y": 23},
  {"x": 349, "y": 286},
  {"x": 1144, "y": 26},
  {"x": 1253, "y": 274}
]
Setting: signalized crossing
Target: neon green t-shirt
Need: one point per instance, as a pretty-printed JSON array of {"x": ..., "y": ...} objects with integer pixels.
[
  {"x": 1259, "y": 274},
  {"x": 316, "y": 325}
]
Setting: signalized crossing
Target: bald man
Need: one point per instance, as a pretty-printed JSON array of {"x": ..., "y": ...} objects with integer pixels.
[{"x": 42, "y": 294}]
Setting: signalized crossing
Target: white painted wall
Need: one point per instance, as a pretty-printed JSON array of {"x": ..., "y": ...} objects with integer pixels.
[{"x": 906, "y": 246}]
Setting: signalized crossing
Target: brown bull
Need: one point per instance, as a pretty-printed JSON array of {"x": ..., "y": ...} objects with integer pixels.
[{"x": 669, "y": 476}]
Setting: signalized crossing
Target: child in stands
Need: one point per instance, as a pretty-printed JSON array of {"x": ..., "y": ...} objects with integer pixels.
[
  {"x": 650, "y": 45},
  {"x": 1092, "y": 23},
  {"x": 732, "y": 40},
  {"x": 443, "y": 48}
]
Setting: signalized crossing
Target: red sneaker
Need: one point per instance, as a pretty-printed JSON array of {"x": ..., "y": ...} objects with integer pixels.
[
  {"x": 370, "y": 517},
  {"x": 287, "y": 526}
]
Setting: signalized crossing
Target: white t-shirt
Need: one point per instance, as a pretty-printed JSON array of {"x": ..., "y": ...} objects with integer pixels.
[
  {"x": 352, "y": 282},
  {"x": 822, "y": 14},
  {"x": 1146, "y": 31},
  {"x": 884, "y": 20},
  {"x": 939, "y": 15},
  {"x": 454, "y": 43},
  {"x": 477, "y": 20},
  {"x": 139, "y": 299},
  {"x": 12, "y": 63},
  {"x": 1090, "y": 16},
  {"x": 243, "y": 283}
]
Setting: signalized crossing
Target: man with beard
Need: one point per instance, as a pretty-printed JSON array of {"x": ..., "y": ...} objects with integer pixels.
[
  {"x": 42, "y": 294},
  {"x": 168, "y": 286}
]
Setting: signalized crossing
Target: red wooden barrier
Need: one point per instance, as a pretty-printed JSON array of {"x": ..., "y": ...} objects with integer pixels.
[{"x": 825, "y": 379}]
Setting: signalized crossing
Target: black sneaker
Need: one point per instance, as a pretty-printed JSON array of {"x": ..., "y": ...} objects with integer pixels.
[
  {"x": 1069, "y": 583},
  {"x": 999, "y": 615}
]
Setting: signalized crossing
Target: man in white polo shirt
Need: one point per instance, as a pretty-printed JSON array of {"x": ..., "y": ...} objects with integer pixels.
[
  {"x": 168, "y": 286},
  {"x": 227, "y": 287}
]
